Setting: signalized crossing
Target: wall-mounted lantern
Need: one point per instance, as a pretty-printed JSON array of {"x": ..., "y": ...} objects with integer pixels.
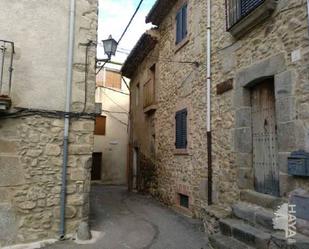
[{"x": 110, "y": 46}]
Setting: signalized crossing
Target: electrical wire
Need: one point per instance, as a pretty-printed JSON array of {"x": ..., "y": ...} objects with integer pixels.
[
  {"x": 125, "y": 30},
  {"x": 117, "y": 91},
  {"x": 111, "y": 99},
  {"x": 126, "y": 83},
  {"x": 120, "y": 121},
  {"x": 86, "y": 76},
  {"x": 107, "y": 111},
  {"x": 196, "y": 63},
  {"x": 27, "y": 112}
]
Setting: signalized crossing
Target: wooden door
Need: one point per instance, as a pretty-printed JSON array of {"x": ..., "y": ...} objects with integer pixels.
[
  {"x": 264, "y": 131},
  {"x": 96, "y": 166}
]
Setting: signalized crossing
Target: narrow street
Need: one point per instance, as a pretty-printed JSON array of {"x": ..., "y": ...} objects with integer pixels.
[{"x": 129, "y": 220}]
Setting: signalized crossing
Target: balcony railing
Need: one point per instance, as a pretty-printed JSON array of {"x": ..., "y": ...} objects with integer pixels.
[
  {"x": 236, "y": 10},
  {"x": 7, "y": 51},
  {"x": 149, "y": 95}
]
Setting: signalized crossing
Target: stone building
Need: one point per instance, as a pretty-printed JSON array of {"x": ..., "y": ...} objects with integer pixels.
[
  {"x": 167, "y": 76},
  {"x": 259, "y": 113},
  {"x": 111, "y": 129},
  {"x": 260, "y": 109},
  {"x": 32, "y": 117}
]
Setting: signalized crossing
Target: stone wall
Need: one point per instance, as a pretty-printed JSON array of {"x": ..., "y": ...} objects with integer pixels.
[
  {"x": 31, "y": 146},
  {"x": 31, "y": 165},
  {"x": 268, "y": 50}
]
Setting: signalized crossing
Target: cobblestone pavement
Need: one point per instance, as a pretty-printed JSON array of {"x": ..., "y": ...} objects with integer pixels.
[{"x": 133, "y": 221}]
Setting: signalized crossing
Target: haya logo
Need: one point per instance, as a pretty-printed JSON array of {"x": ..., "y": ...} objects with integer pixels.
[{"x": 285, "y": 219}]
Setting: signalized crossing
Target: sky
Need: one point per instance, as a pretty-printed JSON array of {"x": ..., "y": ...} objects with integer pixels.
[{"x": 114, "y": 16}]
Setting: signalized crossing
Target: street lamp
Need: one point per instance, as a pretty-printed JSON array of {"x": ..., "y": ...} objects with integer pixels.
[{"x": 110, "y": 46}]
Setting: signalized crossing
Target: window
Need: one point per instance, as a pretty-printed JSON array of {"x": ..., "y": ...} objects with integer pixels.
[
  {"x": 113, "y": 79},
  {"x": 149, "y": 88},
  {"x": 181, "y": 129},
  {"x": 100, "y": 126},
  {"x": 238, "y": 9},
  {"x": 181, "y": 24}
]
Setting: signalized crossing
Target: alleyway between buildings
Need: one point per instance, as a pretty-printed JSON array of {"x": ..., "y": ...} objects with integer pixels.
[{"x": 129, "y": 220}]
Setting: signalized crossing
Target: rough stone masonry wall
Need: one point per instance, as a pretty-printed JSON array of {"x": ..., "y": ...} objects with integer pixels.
[
  {"x": 31, "y": 156},
  {"x": 179, "y": 86},
  {"x": 281, "y": 34}
]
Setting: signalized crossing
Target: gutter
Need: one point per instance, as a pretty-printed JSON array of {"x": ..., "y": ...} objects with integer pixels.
[
  {"x": 209, "y": 133},
  {"x": 70, "y": 56}
]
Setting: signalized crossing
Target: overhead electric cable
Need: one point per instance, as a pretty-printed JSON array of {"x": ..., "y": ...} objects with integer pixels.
[{"x": 125, "y": 30}]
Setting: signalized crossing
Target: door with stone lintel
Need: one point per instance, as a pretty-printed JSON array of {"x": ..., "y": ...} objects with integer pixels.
[{"x": 264, "y": 132}]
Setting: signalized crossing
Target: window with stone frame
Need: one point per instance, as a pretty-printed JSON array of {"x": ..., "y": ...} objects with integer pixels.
[{"x": 181, "y": 23}]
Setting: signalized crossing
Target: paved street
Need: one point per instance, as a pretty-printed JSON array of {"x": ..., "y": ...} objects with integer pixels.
[{"x": 129, "y": 220}]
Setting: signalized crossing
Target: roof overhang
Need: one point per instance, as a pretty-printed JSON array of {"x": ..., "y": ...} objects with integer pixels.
[
  {"x": 142, "y": 48},
  {"x": 159, "y": 11}
]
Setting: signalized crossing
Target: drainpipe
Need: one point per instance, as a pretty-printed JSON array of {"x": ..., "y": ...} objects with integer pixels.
[
  {"x": 308, "y": 13},
  {"x": 70, "y": 54},
  {"x": 209, "y": 134}
]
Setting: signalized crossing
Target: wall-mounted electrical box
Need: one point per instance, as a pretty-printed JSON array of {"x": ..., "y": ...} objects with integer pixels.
[
  {"x": 298, "y": 163},
  {"x": 7, "y": 51}
]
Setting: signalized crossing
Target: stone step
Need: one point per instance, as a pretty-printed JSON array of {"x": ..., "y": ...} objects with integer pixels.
[
  {"x": 263, "y": 200},
  {"x": 245, "y": 233},
  {"x": 254, "y": 214},
  {"x": 219, "y": 241},
  {"x": 279, "y": 241}
]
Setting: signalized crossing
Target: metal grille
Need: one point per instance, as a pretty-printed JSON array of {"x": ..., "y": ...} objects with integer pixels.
[{"x": 238, "y": 9}]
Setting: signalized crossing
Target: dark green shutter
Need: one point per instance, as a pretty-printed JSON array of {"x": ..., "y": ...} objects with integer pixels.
[{"x": 181, "y": 129}]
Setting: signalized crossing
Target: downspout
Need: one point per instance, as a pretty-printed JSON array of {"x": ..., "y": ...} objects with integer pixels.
[
  {"x": 70, "y": 54},
  {"x": 308, "y": 13},
  {"x": 209, "y": 134}
]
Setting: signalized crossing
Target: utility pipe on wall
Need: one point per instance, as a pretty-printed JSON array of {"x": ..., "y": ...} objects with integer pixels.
[
  {"x": 70, "y": 56},
  {"x": 209, "y": 135},
  {"x": 308, "y": 13}
]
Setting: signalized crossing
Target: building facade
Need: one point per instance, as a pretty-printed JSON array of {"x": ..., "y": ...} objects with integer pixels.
[
  {"x": 259, "y": 105},
  {"x": 111, "y": 132},
  {"x": 174, "y": 66},
  {"x": 32, "y": 118}
]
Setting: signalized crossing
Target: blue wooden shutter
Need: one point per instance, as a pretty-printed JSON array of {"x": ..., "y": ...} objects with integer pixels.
[
  {"x": 184, "y": 21},
  {"x": 181, "y": 129},
  {"x": 179, "y": 27}
]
